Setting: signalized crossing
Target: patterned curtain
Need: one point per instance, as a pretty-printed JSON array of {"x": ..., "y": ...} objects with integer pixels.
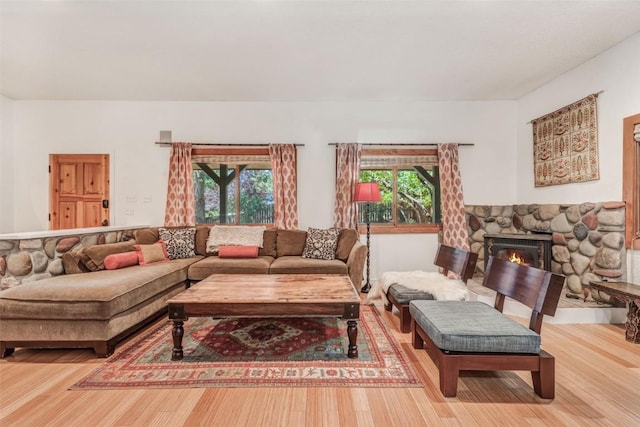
[
  {"x": 454, "y": 225},
  {"x": 347, "y": 176},
  {"x": 180, "y": 210},
  {"x": 285, "y": 185}
]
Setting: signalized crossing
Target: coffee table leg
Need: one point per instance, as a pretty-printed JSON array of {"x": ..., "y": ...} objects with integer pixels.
[
  {"x": 352, "y": 333},
  {"x": 177, "y": 333}
]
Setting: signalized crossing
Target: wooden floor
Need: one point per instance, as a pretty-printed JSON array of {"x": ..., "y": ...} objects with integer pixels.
[{"x": 597, "y": 383}]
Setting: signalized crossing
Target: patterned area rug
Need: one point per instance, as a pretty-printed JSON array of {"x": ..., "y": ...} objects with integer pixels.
[{"x": 278, "y": 352}]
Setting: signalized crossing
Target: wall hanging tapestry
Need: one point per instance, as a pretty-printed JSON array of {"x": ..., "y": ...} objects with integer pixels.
[
  {"x": 565, "y": 144},
  {"x": 250, "y": 352}
]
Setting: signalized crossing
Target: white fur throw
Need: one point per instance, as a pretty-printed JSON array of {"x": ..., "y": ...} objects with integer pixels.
[
  {"x": 440, "y": 286},
  {"x": 234, "y": 235}
]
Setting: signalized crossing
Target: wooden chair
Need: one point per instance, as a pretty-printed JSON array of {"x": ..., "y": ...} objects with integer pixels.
[
  {"x": 538, "y": 289},
  {"x": 455, "y": 260}
]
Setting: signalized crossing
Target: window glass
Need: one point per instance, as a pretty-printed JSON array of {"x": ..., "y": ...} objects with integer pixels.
[
  {"x": 409, "y": 194},
  {"x": 224, "y": 189}
]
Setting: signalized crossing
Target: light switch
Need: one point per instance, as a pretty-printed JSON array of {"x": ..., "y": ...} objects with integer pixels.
[
  {"x": 131, "y": 199},
  {"x": 146, "y": 199}
]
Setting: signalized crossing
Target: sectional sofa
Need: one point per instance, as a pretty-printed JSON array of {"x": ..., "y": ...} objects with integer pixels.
[{"x": 95, "y": 309}]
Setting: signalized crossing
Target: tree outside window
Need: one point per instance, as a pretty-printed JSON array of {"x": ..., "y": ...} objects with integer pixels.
[{"x": 233, "y": 192}]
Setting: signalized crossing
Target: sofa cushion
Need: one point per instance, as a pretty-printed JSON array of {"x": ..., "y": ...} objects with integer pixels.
[
  {"x": 96, "y": 295},
  {"x": 95, "y": 254},
  {"x": 180, "y": 242},
  {"x": 125, "y": 259},
  {"x": 472, "y": 326},
  {"x": 321, "y": 243},
  {"x": 290, "y": 242},
  {"x": 299, "y": 265},
  {"x": 202, "y": 234},
  {"x": 146, "y": 236},
  {"x": 216, "y": 265},
  {"x": 269, "y": 243},
  {"x": 348, "y": 237},
  {"x": 72, "y": 262}
]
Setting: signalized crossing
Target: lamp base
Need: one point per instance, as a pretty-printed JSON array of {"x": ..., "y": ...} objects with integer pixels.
[{"x": 366, "y": 288}]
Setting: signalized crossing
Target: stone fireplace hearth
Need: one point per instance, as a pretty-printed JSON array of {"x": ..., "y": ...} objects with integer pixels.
[{"x": 587, "y": 239}]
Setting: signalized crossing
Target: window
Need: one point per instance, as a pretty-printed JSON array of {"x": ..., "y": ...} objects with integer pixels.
[
  {"x": 631, "y": 178},
  {"x": 409, "y": 188},
  {"x": 232, "y": 186}
]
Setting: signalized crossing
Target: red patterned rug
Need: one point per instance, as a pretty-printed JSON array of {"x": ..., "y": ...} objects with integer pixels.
[{"x": 286, "y": 352}]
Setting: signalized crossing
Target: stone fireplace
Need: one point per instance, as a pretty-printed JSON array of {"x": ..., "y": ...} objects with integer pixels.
[
  {"x": 528, "y": 249},
  {"x": 587, "y": 240}
]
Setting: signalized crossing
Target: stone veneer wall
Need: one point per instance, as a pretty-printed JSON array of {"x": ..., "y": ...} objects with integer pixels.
[
  {"x": 28, "y": 260},
  {"x": 588, "y": 238}
]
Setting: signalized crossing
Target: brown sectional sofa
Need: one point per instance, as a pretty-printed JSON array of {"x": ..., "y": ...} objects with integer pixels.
[{"x": 98, "y": 308}]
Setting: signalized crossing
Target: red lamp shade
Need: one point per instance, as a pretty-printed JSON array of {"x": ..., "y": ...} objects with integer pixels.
[{"x": 367, "y": 192}]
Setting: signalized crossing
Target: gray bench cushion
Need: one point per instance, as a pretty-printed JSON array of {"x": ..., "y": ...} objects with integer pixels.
[
  {"x": 472, "y": 326},
  {"x": 403, "y": 295}
]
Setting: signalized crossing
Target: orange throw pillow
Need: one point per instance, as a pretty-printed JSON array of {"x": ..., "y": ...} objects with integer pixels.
[
  {"x": 148, "y": 254},
  {"x": 238, "y": 251},
  {"x": 121, "y": 260}
]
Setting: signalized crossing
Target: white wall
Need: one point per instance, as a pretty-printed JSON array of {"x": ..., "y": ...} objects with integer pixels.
[
  {"x": 6, "y": 165},
  {"x": 617, "y": 73},
  {"x": 127, "y": 131}
]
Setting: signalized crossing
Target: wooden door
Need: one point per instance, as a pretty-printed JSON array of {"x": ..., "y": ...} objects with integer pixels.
[{"x": 78, "y": 190}]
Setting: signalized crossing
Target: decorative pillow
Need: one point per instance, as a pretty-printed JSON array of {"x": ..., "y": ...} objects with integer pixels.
[
  {"x": 321, "y": 244},
  {"x": 238, "y": 251},
  {"x": 234, "y": 235},
  {"x": 180, "y": 242},
  {"x": 125, "y": 259},
  {"x": 95, "y": 254},
  {"x": 152, "y": 253}
]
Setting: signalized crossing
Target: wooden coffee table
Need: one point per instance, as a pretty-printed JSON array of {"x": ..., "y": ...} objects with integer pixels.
[{"x": 267, "y": 295}]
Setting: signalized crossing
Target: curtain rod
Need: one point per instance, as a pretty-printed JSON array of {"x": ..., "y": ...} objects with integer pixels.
[
  {"x": 548, "y": 114},
  {"x": 407, "y": 144},
  {"x": 169, "y": 144}
]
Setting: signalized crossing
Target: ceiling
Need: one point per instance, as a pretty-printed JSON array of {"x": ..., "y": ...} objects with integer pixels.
[{"x": 331, "y": 50}]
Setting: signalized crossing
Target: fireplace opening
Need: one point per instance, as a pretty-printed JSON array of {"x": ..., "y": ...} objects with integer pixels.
[{"x": 529, "y": 249}]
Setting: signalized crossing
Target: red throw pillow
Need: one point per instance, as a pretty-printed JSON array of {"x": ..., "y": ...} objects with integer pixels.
[
  {"x": 121, "y": 260},
  {"x": 238, "y": 251}
]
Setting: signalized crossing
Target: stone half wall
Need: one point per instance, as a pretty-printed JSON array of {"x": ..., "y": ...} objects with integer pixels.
[
  {"x": 28, "y": 260},
  {"x": 588, "y": 238}
]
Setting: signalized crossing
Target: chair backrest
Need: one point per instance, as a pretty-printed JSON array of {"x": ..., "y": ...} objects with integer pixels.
[
  {"x": 457, "y": 261},
  {"x": 537, "y": 289}
]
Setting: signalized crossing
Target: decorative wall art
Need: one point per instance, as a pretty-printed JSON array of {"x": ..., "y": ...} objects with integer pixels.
[{"x": 565, "y": 144}]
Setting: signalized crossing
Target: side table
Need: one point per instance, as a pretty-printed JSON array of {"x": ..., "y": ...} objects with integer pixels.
[{"x": 628, "y": 293}]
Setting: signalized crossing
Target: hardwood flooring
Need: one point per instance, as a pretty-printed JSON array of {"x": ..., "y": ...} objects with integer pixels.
[{"x": 597, "y": 383}]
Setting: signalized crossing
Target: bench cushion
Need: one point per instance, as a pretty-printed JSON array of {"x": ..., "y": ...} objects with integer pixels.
[
  {"x": 404, "y": 295},
  {"x": 472, "y": 326}
]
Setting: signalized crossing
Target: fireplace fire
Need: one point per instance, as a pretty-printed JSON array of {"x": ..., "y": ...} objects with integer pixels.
[{"x": 529, "y": 249}]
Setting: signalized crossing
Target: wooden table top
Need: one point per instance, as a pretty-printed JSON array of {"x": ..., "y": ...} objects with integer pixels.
[
  {"x": 624, "y": 288},
  {"x": 270, "y": 289}
]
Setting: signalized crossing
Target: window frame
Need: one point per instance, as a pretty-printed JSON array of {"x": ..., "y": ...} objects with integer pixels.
[
  {"x": 377, "y": 228},
  {"x": 631, "y": 181},
  {"x": 234, "y": 152}
]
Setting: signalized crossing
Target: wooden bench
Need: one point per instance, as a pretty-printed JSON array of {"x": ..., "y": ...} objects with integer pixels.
[
  {"x": 455, "y": 260},
  {"x": 470, "y": 335}
]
